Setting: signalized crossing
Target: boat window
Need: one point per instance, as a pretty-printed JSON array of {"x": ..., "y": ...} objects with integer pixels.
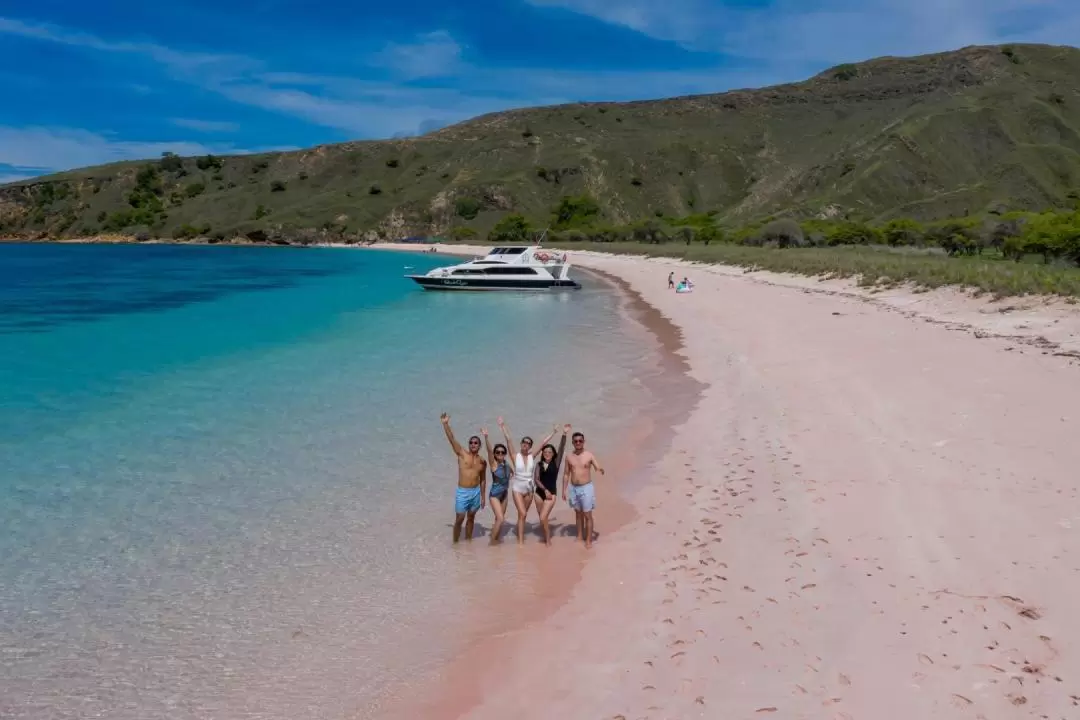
[
  {"x": 509, "y": 271},
  {"x": 469, "y": 271}
]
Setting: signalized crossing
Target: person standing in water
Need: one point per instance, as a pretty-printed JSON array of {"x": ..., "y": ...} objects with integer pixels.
[
  {"x": 579, "y": 465},
  {"x": 500, "y": 483},
  {"x": 471, "y": 481},
  {"x": 547, "y": 481},
  {"x": 522, "y": 483}
]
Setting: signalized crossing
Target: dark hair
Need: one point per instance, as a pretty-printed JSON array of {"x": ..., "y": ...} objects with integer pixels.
[
  {"x": 554, "y": 452},
  {"x": 527, "y": 439},
  {"x": 497, "y": 448},
  {"x": 577, "y": 435},
  {"x": 476, "y": 438}
]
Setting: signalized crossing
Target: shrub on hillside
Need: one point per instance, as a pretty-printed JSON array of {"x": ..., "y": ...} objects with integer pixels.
[
  {"x": 783, "y": 233},
  {"x": 462, "y": 234},
  {"x": 467, "y": 207},
  {"x": 511, "y": 230},
  {"x": 845, "y": 72}
]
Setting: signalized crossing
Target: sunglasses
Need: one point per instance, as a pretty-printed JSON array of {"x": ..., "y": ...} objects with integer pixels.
[{"x": 500, "y": 452}]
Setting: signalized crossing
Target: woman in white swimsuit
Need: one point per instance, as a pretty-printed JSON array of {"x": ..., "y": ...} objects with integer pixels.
[{"x": 522, "y": 483}]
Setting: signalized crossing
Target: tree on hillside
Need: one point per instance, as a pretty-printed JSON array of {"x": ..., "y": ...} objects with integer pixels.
[
  {"x": 902, "y": 232},
  {"x": 575, "y": 211},
  {"x": 956, "y": 237},
  {"x": 852, "y": 233},
  {"x": 1051, "y": 235},
  {"x": 207, "y": 162},
  {"x": 785, "y": 233},
  {"x": 170, "y": 162},
  {"x": 511, "y": 230},
  {"x": 467, "y": 208}
]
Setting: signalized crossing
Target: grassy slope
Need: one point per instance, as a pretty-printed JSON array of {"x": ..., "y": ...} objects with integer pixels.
[{"x": 928, "y": 137}]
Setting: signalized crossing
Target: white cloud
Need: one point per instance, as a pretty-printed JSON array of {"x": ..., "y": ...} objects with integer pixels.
[
  {"x": 785, "y": 40},
  {"x": 374, "y": 108},
  {"x": 205, "y": 126},
  {"x": 829, "y": 31},
  {"x": 434, "y": 54},
  {"x": 53, "y": 149},
  {"x": 176, "y": 60}
]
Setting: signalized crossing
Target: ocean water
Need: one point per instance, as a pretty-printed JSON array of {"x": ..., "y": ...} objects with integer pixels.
[{"x": 224, "y": 489}]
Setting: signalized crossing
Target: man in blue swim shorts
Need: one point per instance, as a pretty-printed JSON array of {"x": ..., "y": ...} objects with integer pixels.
[
  {"x": 472, "y": 478},
  {"x": 582, "y": 494}
]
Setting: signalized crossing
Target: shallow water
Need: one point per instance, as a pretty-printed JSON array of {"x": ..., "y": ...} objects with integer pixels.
[{"x": 224, "y": 489}]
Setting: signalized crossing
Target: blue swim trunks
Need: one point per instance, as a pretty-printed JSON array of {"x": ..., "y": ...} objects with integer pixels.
[
  {"x": 583, "y": 497},
  {"x": 467, "y": 500}
]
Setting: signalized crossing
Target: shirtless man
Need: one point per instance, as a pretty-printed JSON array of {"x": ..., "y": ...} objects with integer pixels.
[
  {"x": 582, "y": 499},
  {"x": 472, "y": 477}
]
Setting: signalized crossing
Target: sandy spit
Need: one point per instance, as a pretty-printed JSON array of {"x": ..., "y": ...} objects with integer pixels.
[{"x": 871, "y": 513}]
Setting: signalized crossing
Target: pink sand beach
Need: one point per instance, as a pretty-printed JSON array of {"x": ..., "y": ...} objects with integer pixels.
[{"x": 870, "y": 513}]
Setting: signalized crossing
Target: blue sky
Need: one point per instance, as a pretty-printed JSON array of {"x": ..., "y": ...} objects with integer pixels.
[{"x": 87, "y": 83}]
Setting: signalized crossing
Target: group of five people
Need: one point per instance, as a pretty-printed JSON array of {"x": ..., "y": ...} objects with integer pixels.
[{"x": 532, "y": 477}]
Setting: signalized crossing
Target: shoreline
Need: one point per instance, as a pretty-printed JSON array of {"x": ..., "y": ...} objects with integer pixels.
[
  {"x": 869, "y": 513},
  {"x": 454, "y": 689},
  {"x": 1042, "y": 322},
  {"x": 1045, "y": 322}
]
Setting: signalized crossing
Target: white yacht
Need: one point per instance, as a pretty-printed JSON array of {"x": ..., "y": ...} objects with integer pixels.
[{"x": 504, "y": 268}]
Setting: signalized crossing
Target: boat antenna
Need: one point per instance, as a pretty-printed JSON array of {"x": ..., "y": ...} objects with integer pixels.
[{"x": 540, "y": 240}]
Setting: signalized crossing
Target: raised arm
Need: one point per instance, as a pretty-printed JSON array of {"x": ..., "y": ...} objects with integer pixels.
[
  {"x": 487, "y": 446},
  {"x": 511, "y": 448},
  {"x": 562, "y": 445},
  {"x": 539, "y": 447},
  {"x": 450, "y": 434}
]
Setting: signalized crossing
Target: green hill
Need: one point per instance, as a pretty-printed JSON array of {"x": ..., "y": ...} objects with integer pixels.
[{"x": 927, "y": 137}]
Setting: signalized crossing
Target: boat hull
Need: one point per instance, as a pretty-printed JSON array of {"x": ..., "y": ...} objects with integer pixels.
[{"x": 477, "y": 283}]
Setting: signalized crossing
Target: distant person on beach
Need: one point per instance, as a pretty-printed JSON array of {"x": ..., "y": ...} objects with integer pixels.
[
  {"x": 579, "y": 465},
  {"x": 547, "y": 481},
  {"x": 671, "y": 280},
  {"x": 472, "y": 480},
  {"x": 501, "y": 472},
  {"x": 523, "y": 482}
]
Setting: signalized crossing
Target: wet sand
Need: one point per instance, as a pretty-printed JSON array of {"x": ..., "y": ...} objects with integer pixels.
[
  {"x": 503, "y": 613},
  {"x": 871, "y": 512}
]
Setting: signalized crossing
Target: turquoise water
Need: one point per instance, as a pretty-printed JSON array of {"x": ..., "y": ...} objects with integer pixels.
[{"x": 224, "y": 491}]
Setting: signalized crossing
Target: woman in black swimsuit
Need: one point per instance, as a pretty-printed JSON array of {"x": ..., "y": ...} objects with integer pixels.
[{"x": 547, "y": 481}]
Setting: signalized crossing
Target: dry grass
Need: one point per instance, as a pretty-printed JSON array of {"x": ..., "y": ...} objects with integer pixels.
[{"x": 872, "y": 266}]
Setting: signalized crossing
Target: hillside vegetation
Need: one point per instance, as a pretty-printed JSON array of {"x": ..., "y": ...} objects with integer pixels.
[{"x": 978, "y": 131}]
